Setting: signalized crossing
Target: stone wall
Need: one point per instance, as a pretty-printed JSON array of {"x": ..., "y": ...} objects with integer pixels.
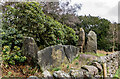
[
  {"x": 94, "y": 70},
  {"x": 112, "y": 63}
]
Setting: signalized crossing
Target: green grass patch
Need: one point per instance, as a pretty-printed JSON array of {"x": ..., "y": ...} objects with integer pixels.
[
  {"x": 95, "y": 54},
  {"x": 117, "y": 74},
  {"x": 56, "y": 69}
]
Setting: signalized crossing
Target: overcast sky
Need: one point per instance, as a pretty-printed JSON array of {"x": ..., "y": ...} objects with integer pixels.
[{"x": 104, "y": 8}]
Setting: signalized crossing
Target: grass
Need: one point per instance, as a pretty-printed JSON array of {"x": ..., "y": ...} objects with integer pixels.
[
  {"x": 95, "y": 54},
  {"x": 117, "y": 74}
]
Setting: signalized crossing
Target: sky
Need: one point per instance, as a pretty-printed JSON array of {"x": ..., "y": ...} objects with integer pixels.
[{"x": 107, "y": 9}]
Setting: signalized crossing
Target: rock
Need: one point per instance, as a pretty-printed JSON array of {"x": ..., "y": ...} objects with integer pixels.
[
  {"x": 91, "y": 42},
  {"x": 91, "y": 69},
  {"x": 70, "y": 51},
  {"x": 30, "y": 49},
  {"x": 77, "y": 73},
  {"x": 87, "y": 56},
  {"x": 81, "y": 40},
  {"x": 47, "y": 74},
  {"x": 54, "y": 56},
  {"x": 96, "y": 64},
  {"x": 32, "y": 77},
  {"x": 61, "y": 74}
]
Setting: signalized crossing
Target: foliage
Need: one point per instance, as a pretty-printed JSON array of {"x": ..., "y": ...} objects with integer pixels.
[
  {"x": 14, "y": 57},
  {"x": 100, "y": 27},
  {"x": 117, "y": 74},
  {"x": 56, "y": 69},
  {"x": 28, "y": 19}
]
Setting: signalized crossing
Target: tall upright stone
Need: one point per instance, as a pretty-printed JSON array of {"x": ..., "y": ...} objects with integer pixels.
[
  {"x": 81, "y": 40},
  {"x": 30, "y": 49},
  {"x": 91, "y": 42}
]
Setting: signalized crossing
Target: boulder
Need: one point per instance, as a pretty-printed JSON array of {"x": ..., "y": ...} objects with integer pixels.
[
  {"x": 54, "y": 56},
  {"x": 47, "y": 74},
  {"x": 70, "y": 51},
  {"x": 32, "y": 77},
  {"x": 61, "y": 75},
  {"x": 96, "y": 64},
  {"x": 91, "y": 69},
  {"x": 30, "y": 49},
  {"x": 91, "y": 42},
  {"x": 77, "y": 73}
]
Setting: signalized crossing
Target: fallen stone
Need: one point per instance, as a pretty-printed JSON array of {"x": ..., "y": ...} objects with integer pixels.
[
  {"x": 47, "y": 74},
  {"x": 91, "y": 69},
  {"x": 96, "y": 64},
  {"x": 61, "y": 74},
  {"x": 54, "y": 56},
  {"x": 32, "y": 77},
  {"x": 77, "y": 73},
  {"x": 70, "y": 51}
]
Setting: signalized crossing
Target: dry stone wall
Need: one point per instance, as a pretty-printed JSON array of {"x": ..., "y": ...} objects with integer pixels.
[
  {"x": 96, "y": 68},
  {"x": 112, "y": 63}
]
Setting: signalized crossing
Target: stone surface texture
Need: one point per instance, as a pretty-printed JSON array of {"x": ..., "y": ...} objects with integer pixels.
[
  {"x": 30, "y": 49},
  {"x": 81, "y": 40},
  {"x": 91, "y": 42}
]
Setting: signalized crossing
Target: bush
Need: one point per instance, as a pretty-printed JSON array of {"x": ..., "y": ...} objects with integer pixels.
[
  {"x": 14, "y": 57},
  {"x": 28, "y": 19}
]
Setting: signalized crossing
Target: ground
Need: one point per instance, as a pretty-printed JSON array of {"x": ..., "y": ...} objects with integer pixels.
[{"x": 26, "y": 70}]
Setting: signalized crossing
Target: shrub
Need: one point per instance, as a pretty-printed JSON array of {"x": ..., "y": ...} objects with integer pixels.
[
  {"x": 28, "y": 19},
  {"x": 14, "y": 57}
]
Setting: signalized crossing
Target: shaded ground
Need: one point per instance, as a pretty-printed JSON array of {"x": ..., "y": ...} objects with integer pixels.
[{"x": 20, "y": 71}]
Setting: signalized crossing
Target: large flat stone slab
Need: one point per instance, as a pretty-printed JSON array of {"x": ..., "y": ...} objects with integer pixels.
[{"x": 54, "y": 56}]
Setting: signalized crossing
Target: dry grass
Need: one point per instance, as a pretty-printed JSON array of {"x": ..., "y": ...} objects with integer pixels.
[
  {"x": 20, "y": 71},
  {"x": 103, "y": 52}
]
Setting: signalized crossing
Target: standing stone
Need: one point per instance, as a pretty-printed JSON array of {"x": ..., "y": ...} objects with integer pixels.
[
  {"x": 81, "y": 40},
  {"x": 30, "y": 49},
  {"x": 91, "y": 42}
]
